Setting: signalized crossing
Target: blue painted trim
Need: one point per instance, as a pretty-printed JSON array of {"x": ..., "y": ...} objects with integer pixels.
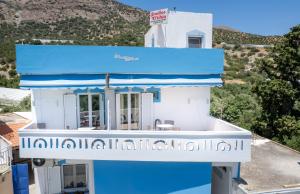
[
  {"x": 152, "y": 177},
  {"x": 72, "y": 77},
  {"x": 86, "y": 90},
  {"x": 64, "y": 87},
  {"x": 72, "y": 59},
  {"x": 135, "y": 85},
  {"x": 171, "y": 85},
  {"x": 162, "y": 76},
  {"x": 127, "y": 85},
  {"x": 87, "y": 77},
  {"x": 94, "y": 78},
  {"x": 80, "y": 91},
  {"x": 127, "y": 89},
  {"x": 156, "y": 94},
  {"x": 96, "y": 90}
]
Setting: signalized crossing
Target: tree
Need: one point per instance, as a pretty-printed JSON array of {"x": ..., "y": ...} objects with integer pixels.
[
  {"x": 279, "y": 91},
  {"x": 235, "y": 103}
]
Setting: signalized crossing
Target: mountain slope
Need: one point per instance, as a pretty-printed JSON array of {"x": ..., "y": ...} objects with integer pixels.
[
  {"x": 235, "y": 37},
  {"x": 94, "y": 20},
  {"x": 99, "y": 22},
  {"x": 48, "y": 11}
]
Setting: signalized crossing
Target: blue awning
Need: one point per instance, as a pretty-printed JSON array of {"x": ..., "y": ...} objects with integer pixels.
[
  {"x": 61, "y": 66},
  {"x": 63, "y": 59},
  {"x": 118, "y": 80}
]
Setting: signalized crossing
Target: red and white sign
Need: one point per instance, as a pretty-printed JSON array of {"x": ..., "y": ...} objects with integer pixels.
[{"x": 159, "y": 17}]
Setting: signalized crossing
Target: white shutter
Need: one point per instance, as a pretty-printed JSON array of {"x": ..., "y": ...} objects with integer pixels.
[
  {"x": 70, "y": 111},
  {"x": 147, "y": 111},
  {"x": 54, "y": 180},
  {"x": 118, "y": 112}
]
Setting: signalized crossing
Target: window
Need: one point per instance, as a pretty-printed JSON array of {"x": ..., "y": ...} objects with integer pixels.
[
  {"x": 74, "y": 177},
  {"x": 129, "y": 111},
  {"x": 194, "y": 42},
  {"x": 91, "y": 110},
  {"x": 156, "y": 94},
  {"x": 152, "y": 41}
]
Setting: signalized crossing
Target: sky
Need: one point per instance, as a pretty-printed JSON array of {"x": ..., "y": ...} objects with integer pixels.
[{"x": 264, "y": 17}]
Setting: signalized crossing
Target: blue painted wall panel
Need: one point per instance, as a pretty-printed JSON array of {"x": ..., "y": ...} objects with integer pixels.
[
  {"x": 63, "y": 59},
  {"x": 20, "y": 179},
  {"x": 114, "y": 177}
]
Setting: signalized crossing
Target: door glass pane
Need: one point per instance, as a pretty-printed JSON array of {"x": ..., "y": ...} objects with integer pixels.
[
  {"x": 80, "y": 175},
  {"x": 135, "y": 111},
  {"x": 68, "y": 176},
  {"x": 84, "y": 110},
  {"x": 124, "y": 111},
  {"x": 96, "y": 110}
]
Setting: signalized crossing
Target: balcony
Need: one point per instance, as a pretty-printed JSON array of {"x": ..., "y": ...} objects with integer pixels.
[
  {"x": 222, "y": 142},
  {"x": 5, "y": 155}
]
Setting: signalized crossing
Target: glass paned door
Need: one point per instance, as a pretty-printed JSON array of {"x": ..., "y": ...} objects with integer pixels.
[
  {"x": 135, "y": 111},
  {"x": 84, "y": 110},
  {"x": 68, "y": 176},
  {"x": 80, "y": 175},
  {"x": 124, "y": 111},
  {"x": 74, "y": 177},
  {"x": 96, "y": 110},
  {"x": 91, "y": 110},
  {"x": 129, "y": 111}
]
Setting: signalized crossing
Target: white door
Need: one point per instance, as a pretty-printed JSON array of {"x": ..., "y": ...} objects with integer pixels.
[
  {"x": 54, "y": 180},
  {"x": 128, "y": 106},
  {"x": 70, "y": 111},
  {"x": 147, "y": 111}
]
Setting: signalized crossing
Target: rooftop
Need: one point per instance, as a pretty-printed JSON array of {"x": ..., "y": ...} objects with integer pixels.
[
  {"x": 273, "y": 167},
  {"x": 9, "y": 125}
]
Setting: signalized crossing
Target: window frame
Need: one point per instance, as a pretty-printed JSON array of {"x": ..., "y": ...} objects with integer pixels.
[
  {"x": 118, "y": 111},
  {"x": 152, "y": 41},
  {"x": 196, "y": 33},
  {"x": 101, "y": 111},
  {"x": 195, "y": 36},
  {"x": 75, "y": 189}
]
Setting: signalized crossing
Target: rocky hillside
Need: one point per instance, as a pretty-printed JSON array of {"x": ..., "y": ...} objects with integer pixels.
[
  {"x": 231, "y": 36},
  {"x": 97, "y": 20},
  {"x": 101, "y": 22},
  {"x": 48, "y": 11}
]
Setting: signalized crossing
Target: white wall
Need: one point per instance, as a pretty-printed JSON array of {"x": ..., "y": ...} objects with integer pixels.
[
  {"x": 48, "y": 180},
  {"x": 188, "y": 107},
  {"x": 221, "y": 180},
  {"x": 174, "y": 34},
  {"x": 47, "y": 107}
]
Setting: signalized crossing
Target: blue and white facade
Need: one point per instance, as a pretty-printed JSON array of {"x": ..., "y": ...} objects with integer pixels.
[{"x": 131, "y": 119}]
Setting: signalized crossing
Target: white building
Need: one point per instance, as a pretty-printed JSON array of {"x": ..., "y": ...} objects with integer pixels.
[{"x": 131, "y": 119}]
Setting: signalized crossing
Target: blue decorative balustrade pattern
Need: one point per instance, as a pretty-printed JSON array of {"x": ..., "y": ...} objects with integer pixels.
[{"x": 138, "y": 147}]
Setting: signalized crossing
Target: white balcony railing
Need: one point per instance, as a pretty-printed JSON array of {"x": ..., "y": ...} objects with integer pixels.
[
  {"x": 5, "y": 155},
  {"x": 223, "y": 143}
]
